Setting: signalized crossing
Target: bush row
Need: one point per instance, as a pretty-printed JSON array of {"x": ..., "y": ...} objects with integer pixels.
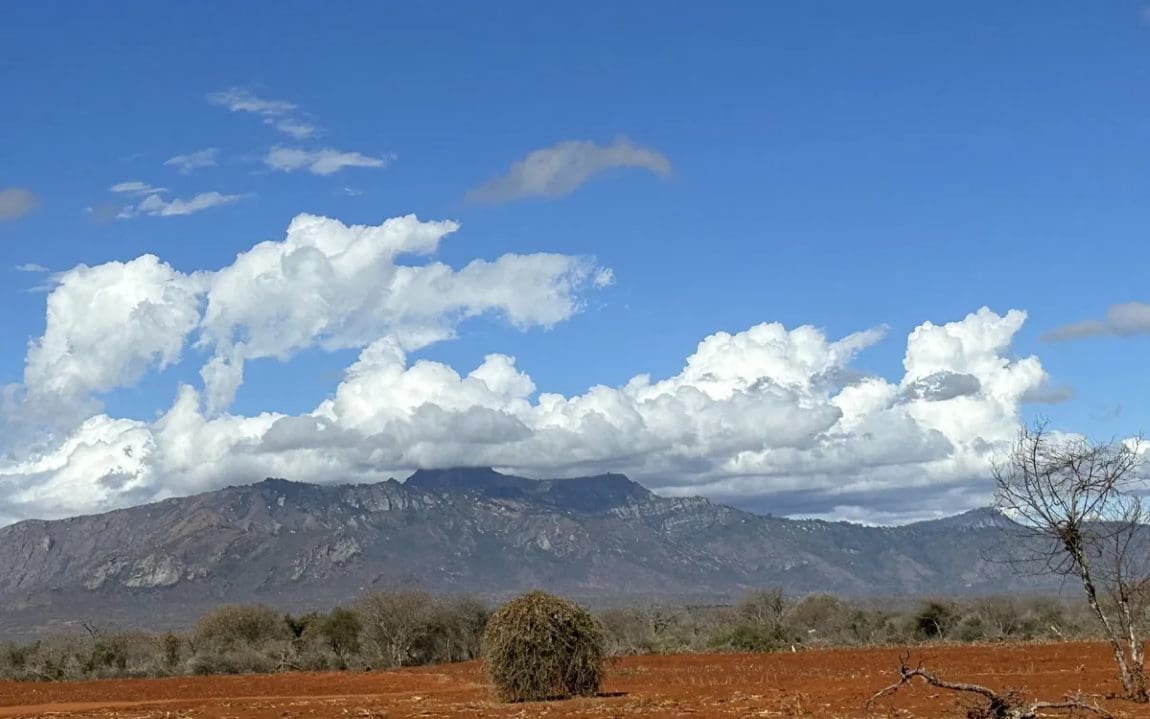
[
  {"x": 404, "y": 628},
  {"x": 769, "y": 621}
]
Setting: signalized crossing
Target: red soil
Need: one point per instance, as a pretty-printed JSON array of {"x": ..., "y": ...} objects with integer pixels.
[{"x": 829, "y": 683}]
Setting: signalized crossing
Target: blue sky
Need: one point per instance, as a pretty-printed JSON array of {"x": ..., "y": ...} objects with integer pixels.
[{"x": 841, "y": 165}]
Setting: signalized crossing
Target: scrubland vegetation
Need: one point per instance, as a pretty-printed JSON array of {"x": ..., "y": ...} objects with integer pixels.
[{"x": 406, "y": 628}]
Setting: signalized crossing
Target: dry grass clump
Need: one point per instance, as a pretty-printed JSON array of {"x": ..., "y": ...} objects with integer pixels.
[{"x": 540, "y": 646}]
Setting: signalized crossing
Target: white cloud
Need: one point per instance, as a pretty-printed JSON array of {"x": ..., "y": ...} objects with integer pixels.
[
  {"x": 319, "y": 162},
  {"x": 563, "y": 168},
  {"x": 15, "y": 202},
  {"x": 325, "y": 285},
  {"x": 107, "y": 325},
  {"x": 153, "y": 203},
  {"x": 101, "y": 465},
  {"x": 280, "y": 114},
  {"x": 769, "y": 417},
  {"x": 605, "y": 277},
  {"x": 1123, "y": 320},
  {"x": 337, "y": 286},
  {"x": 298, "y": 129},
  {"x": 157, "y": 206},
  {"x": 199, "y": 159},
  {"x": 237, "y": 99},
  {"x": 31, "y": 267},
  {"x": 135, "y": 187}
]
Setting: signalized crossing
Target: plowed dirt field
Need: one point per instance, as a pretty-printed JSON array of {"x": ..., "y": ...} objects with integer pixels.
[{"x": 828, "y": 683}]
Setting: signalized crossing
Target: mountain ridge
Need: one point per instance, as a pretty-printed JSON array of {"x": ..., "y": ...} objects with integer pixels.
[{"x": 602, "y": 539}]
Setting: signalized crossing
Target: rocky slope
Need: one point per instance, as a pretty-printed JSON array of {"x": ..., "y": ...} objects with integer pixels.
[{"x": 603, "y": 539}]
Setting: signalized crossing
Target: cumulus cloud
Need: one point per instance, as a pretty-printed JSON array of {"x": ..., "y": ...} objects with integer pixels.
[
  {"x": 325, "y": 285},
  {"x": 337, "y": 286},
  {"x": 107, "y": 325},
  {"x": 199, "y": 159},
  {"x": 319, "y": 162},
  {"x": 15, "y": 202},
  {"x": 942, "y": 386},
  {"x": 1123, "y": 320},
  {"x": 280, "y": 114},
  {"x": 770, "y": 417},
  {"x": 563, "y": 168}
]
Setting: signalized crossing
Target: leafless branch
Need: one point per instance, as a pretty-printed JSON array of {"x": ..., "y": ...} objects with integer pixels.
[
  {"x": 1077, "y": 512},
  {"x": 999, "y": 706}
]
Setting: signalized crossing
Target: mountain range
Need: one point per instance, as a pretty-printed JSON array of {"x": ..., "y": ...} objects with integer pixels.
[{"x": 602, "y": 539}]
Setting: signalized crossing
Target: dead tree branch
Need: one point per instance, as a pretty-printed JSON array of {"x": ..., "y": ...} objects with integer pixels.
[{"x": 998, "y": 706}]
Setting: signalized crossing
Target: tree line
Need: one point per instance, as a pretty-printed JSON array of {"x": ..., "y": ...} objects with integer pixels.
[{"x": 385, "y": 630}]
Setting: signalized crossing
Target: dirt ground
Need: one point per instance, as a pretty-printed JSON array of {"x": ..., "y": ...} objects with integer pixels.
[{"x": 826, "y": 683}]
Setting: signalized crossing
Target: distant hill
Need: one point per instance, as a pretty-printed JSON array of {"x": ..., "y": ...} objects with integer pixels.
[{"x": 603, "y": 539}]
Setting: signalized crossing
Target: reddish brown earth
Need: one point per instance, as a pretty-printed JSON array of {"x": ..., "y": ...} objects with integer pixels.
[{"x": 828, "y": 683}]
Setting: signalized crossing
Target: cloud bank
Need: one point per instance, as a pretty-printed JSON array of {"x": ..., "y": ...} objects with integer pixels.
[
  {"x": 325, "y": 285},
  {"x": 564, "y": 168},
  {"x": 770, "y": 417}
]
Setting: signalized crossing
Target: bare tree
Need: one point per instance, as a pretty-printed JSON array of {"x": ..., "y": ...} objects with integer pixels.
[
  {"x": 763, "y": 607},
  {"x": 1077, "y": 512},
  {"x": 397, "y": 623}
]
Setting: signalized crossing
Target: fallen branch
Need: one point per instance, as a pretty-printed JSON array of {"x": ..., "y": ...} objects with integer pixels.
[{"x": 999, "y": 706}]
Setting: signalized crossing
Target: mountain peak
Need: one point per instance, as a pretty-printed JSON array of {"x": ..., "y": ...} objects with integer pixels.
[
  {"x": 461, "y": 479},
  {"x": 979, "y": 518},
  {"x": 584, "y": 494}
]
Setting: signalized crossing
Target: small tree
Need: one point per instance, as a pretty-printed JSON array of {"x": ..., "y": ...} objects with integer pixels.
[
  {"x": 171, "y": 643},
  {"x": 398, "y": 624},
  {"x": 757, "y": 623},
  {"x": 460, "y": 624},
  {"x": 340, "y": 630},
  {"x": 540, "y": 646},
  {"x": 1076, "y": 513}
]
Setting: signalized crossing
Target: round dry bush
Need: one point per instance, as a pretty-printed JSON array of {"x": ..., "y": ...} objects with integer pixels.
[{"x": 540, "y": 646}]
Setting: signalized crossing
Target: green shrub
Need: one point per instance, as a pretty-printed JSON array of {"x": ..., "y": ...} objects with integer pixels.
[
  {"x": 747, "y": 637},
  {"x": 540, "y": 646},
  {"x": 340, "y": 631},
  {"x": 756, "y": 624},
  {"x": 934, "y": 620}
]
